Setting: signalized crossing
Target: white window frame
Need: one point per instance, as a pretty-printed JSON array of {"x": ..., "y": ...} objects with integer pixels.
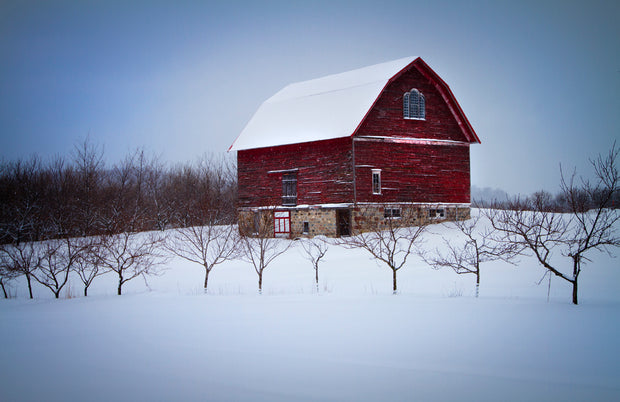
[
  {"x": 376, "y": 189},
  {"x": 420, "y": 108}
]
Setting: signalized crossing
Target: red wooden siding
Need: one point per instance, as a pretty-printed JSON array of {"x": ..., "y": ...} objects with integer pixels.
[
  {"x": 324, "y": 173},
  {"x": 386, "y": 117},
  {"x": 413, "y": 173}
]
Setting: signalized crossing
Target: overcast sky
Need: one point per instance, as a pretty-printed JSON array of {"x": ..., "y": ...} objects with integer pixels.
[{"x": 539, "y": 80}]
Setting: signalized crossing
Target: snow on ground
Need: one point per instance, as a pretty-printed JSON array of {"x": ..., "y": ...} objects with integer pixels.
[{"x": 352, "y": 340}]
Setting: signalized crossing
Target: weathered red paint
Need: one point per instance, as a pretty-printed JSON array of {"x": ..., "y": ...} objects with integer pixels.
[
  {"x": 434, "y": 171},
  {"x": 324, "y": 173},
  {"x": 413, "y": 173}
]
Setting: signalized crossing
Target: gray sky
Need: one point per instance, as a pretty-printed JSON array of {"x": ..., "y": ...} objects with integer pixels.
[{"x": 539, "y": 80}]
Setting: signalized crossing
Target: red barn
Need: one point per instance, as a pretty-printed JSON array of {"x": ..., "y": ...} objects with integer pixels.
[{"x": 387, "y": 136}]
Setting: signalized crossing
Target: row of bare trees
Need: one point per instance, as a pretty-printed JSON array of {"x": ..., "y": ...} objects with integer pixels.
[
  {"x": 51, "y": 262},
  {"x": 581, "y": 220},
  {"x": 77, "y": 215},
  {"x": 130, "y": 255},
  {"x": 205, "y": 236}
]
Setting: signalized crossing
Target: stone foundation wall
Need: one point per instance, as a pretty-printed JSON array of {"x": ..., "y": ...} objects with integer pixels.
[
  {"x": 323, "y": 221},
  {"x": 367, "y": 218},
  {"x": 256, "y": 222},
  {"x": 320, "y": 222},
  {"x": 458, "y": 213}
]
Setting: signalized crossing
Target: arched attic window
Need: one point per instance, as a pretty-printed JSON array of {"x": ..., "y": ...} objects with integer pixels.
[{"x": 414, "y": 105}]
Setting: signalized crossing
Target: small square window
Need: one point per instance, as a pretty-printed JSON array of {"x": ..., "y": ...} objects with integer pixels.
[
  {"x": 436, "y": 213},
  {"x": 306, "y": 228}
]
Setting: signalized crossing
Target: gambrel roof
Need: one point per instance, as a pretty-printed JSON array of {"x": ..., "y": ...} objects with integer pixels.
[{"x": 333, "y": 106}]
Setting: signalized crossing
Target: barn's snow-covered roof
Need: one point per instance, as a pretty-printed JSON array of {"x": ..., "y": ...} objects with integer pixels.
[
  {"x": 319, "y": 109},
  {"x": 334, "y": 106}
]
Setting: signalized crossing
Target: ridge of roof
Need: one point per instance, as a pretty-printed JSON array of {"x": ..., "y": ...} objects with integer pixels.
[{"x": 341, "y": 81}]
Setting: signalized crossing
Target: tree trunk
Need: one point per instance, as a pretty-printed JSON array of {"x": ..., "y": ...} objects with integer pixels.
[
  {"x": 316, "y": 278},
  {"x": 120, "y": 283},
  {"x": 549, "y": 287},
  {"x": 394, "y": 290},
  {"x": 260, "y": 282},
  {"x": 6, "y": 296},
  {"x": 477, "y": 282},
  {"x": 206, "y": 277},
  {"x": 85, "y": 291},
  {"x": 29, "y": 285},
  {"x": 576, "y": 270}
]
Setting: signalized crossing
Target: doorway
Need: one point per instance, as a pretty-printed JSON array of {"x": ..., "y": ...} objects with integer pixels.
[{"x": 343, "y": 222}]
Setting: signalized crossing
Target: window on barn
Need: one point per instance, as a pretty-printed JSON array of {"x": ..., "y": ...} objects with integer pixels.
[
  {"x": 282, "y": 222},
  {"x": 414, "y": 105},
  {"x": 289, "y": 189},
  {"x": 436, "y": 213},
  {"x": 376, "y": 181},
  {"x": 391, "y": 213}
]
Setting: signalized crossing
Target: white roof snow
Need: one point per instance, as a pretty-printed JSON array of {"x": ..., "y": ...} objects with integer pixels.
[{"x": 319, "y": 109}]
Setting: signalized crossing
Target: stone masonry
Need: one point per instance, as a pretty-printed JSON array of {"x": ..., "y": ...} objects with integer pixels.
[{"x": 323, "y": 221}]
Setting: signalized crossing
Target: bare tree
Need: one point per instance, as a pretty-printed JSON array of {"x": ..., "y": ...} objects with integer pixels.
[
  {"x": 314, "y": 250},
  {"x": 7, "y": 272},
  {"x": 130, "y": 255},
  {"x": 207, "y": 245},
  {"x": 207, "y": 236},
  {"x": 260, "y": 249},
  {"x": 593, "y": 224},
  {"x": 479, "y": 246},
  {"x": 122, "y": 248},
  {"x": 22, "y": 258},
  {"x": 88, "y": 264},
  {"x": 390, "y": 240},
  {"x": 532, "y": 226},
  {"x": 536, "y": 225},
  {"x": 55, "y": 263}
]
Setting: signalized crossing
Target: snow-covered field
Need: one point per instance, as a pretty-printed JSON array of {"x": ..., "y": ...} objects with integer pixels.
[{"x": 353, "y": 340}]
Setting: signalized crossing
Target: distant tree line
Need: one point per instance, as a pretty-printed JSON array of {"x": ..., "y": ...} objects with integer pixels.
[
  {"x": 558, "y": 202},
  {"x": 81, "y": 196}
]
